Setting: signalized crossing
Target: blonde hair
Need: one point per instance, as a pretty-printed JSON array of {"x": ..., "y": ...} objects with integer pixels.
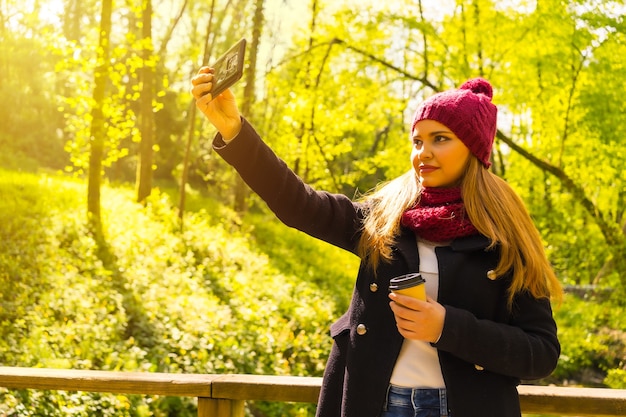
[{"x": 494, "y": 209}]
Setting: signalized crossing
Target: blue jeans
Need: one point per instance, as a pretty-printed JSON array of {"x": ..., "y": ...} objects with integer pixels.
[{"x": 410, "y": 402}]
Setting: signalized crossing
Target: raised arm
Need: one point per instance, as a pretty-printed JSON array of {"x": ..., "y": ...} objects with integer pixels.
[{"x": 333, "y": 218}]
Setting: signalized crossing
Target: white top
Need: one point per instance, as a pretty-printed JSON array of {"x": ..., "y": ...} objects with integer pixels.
[{"x": 417, "y": 365}]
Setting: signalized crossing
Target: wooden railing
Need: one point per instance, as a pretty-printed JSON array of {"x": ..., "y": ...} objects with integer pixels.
[{"x": 225, "y": 395}]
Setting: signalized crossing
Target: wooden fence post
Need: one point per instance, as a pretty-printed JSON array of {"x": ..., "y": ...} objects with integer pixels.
[{"x": 217, "y": 407}]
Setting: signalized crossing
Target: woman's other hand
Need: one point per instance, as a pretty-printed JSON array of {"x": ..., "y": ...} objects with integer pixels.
[
  {"x": 417, "y": 319},
  {"x": 222, "y": 111}
]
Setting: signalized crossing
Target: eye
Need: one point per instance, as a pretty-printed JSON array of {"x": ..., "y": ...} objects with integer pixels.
[
  {"x": 441, "y": 138},
  {"x": 417, "y": 142}
]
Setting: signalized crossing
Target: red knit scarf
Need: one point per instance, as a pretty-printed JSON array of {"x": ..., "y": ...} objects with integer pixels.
[{"x": 439, "y": 215}]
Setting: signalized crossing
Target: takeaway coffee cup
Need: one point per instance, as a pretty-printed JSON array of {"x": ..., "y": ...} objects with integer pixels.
[{"x": 409, "y": 284}]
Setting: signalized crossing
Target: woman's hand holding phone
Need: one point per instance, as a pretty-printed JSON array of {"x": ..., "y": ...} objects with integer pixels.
[
  {"x": 212, "y": 93},
  {"x": 222, "y": 110}
]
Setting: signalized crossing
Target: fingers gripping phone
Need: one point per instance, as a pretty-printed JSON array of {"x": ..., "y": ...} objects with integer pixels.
[{"x": 228, "y": 68}]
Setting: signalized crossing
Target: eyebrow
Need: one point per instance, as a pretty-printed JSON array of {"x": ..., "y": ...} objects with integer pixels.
[{"x": 437, "y": 132}]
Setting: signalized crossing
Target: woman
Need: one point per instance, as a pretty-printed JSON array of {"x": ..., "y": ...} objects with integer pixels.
[{"x": 487, "y": 321}]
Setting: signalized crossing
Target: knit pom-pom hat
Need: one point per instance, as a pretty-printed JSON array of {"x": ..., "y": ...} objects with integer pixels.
[{"x": 468, "y": 112}]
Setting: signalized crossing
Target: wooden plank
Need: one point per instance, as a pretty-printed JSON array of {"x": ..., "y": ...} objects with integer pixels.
[
  {"x": 572, "y": 401},
  {"x": 210, "y": 407},
  {"x": 148, "y": 383},
  {"x": 268, "y": 388},
  {"x": 562, "y": 401}
]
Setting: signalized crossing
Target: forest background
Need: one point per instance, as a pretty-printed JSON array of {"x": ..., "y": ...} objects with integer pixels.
[{"x": 127, "y": 244}]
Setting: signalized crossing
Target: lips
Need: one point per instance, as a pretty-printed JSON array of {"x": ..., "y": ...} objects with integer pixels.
[{"x": 425, "y": 169}]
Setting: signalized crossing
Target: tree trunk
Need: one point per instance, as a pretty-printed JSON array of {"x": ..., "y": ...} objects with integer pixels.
[
  {"x": 98, "y": 130},
  {"x": 249, "y": 96},
  {"x": 170, "y": 31},
  {"x": 192, "y": 122},
  {"x": 144, "y": 167},
  {"x": 71, "y": 20}
]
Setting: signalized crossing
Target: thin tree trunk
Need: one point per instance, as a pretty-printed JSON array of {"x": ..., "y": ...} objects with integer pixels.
[
  {"x": 249, "y": 96},
  {"x": 192, "y": 122},
  {"x": 144, "y": 167},
  {"x": 170, "y": 30},
  {"x": 97, "y": 130}
]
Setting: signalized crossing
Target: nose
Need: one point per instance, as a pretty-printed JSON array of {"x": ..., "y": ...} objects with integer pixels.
[{"x": 424, "y": 152}]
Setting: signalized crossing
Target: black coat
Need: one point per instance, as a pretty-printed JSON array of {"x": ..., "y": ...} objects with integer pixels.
[{"x": 485, "y": 348}]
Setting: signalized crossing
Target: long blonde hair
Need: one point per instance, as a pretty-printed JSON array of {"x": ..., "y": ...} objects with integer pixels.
[{"x": 494, "y": 209}]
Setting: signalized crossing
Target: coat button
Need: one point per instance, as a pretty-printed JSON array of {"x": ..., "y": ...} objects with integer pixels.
[
  {"x": 491, "y": 274},
  {"x": 479, "y": 368},
  {"x": 373, "y": 287},
  {"x": 361, "y": 329}
]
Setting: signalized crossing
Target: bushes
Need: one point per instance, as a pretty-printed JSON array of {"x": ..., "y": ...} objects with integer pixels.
[
  {"x": 204, "y": 300},
  {"x": 593, "y": 341}
]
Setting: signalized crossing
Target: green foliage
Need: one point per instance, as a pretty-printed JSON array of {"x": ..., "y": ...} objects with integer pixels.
[
  {"x": 287, "y": 249},
  {"x": 570, "y": 236},
  {"x": 616, "y": 378},
  {"x": 205, "y": 300},
  {"x": 593, "y": 341},
  {"x": 330, "y": 130},
  {"x": 559, "y": 104},
  {"x": 30, "y": 122}
]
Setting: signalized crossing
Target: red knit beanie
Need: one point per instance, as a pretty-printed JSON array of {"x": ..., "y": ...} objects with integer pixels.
[{"x": 468, "y": 112}]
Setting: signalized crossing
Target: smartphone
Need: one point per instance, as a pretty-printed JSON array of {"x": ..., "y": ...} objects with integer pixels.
[{"x": 228, "y": 68}]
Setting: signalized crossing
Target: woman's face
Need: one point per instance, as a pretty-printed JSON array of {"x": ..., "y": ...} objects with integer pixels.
[{"x": 439, "y": 157}]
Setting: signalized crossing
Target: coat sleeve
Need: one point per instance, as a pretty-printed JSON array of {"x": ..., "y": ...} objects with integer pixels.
[
  {"x": 333, "y": 218},
  {"x": 526, "y": 347}
]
